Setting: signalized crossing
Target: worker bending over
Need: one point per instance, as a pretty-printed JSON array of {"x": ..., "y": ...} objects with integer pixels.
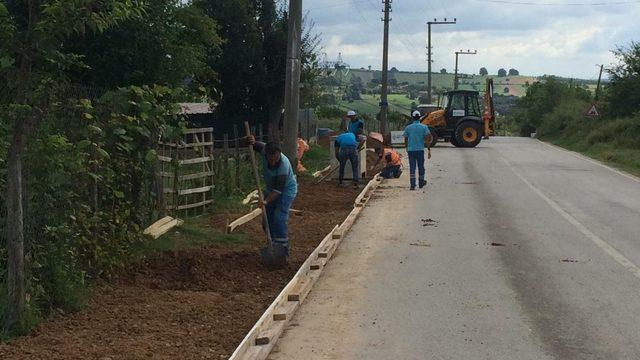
[
  {"x": 346, "y": 149},
  {"x": 281, "y": 188},
  {"x": 393, "y": 164},
  {"x": 415, "y": 135}
]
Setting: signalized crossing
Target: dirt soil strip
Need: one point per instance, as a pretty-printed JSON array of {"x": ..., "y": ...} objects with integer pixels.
[
  {"x": 196, "y": 304},
  {"x": 265, "y": 333}
]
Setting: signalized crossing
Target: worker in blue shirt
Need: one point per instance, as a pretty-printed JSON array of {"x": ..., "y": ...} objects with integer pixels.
[
  {"x": 355, "y": 125},
  {"x": 415, "y": 135},
  {"x": 281, "y": 189},
  {"x": 346, "y": 148}
]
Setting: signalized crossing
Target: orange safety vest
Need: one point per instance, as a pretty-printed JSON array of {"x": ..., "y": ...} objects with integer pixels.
[
  {"x": 303, "y": 147},
  {"x": 395, "y": 157}
]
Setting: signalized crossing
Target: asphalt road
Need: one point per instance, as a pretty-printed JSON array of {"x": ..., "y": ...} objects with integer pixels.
[{"x": 516, "y": 250}]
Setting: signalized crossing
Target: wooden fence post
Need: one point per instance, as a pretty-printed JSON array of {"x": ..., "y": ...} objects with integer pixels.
[
  {"x": 225, "y": 157},
  {"x": 236, "y": 143}
]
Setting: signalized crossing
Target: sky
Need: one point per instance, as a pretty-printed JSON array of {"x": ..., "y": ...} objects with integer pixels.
[{"x": 536, "y": 37}]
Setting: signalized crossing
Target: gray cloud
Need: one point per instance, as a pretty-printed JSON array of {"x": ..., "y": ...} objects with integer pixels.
[{"x": 563, "y": 40}]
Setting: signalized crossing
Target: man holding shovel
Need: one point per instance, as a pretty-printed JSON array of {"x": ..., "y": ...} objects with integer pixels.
[{"x": 281, "y": 190}]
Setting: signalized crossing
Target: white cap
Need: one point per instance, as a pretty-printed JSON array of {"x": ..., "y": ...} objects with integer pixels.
[
  {"x": 416, "y": 112},
  {"x": 351, "y": 113}
]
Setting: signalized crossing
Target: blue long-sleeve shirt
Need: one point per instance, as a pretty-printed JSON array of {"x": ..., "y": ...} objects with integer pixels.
[
  {"x": 280, "y": 178},
  {"x": 356, "y": 127}
]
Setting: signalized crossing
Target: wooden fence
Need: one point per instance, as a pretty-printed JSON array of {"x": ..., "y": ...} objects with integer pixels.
[
  {"x": 198, "y": 164},
  {"x": 187, "y": 169}
]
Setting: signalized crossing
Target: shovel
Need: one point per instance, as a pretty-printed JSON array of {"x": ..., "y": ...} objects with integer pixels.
[{"x": 273, "y": 255}]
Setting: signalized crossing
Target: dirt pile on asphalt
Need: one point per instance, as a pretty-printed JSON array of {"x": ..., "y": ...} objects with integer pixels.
[{"x": 195, "y": 304}]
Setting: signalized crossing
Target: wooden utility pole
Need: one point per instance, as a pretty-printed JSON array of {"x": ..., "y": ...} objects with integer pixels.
[
  {"x": 599, "y": 78},
  {"x": 429, "y": 53},
  {"x": 384, "y": 104},
  {"x": 455, "y": 77},
  {"x": 292, "y": 85}
]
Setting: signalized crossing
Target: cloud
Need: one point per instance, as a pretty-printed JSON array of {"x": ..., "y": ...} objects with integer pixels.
[{"x": 536, "y": 40}]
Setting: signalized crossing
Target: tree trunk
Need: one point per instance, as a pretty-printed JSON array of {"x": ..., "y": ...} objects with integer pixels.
[
  {"x": 14, "y": 311},
  {"x": 274, "y": 116}
]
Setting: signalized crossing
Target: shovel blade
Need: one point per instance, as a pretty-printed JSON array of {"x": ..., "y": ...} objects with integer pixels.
[{"x": 274, "y": 256}]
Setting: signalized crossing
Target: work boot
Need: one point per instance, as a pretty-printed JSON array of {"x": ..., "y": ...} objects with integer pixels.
[
  {"x": 413, "y": 187},
  {"x": 423, "y": 183}
]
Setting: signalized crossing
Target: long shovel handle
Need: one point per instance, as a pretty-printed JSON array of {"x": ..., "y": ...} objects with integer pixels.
[{"x": 256, "y": 176}]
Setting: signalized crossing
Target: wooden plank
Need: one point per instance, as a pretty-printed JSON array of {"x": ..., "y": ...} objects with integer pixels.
[
  {"x": 167, "y": 174},
  {"x": 371, "y": 185},
  {"x": 190, "y": 145},
  {"x": 153, "y": 227},
  {"x": 195, "y": 190},
  {"x": 198, "y": 160},
  {"x": 252, "y": 195},
  {"x": 164, "y": 158},
  {"x": 198, "y": 130},
  {"x": 195, "y": 205},
  {"x": 285, "y": 310},
  {"x": 244, "y": 219},
  {"x": 320, "y": 172},
  {"x": 246, "y": 350},
  {"x": 199, "y": 175},
  {"x": 164, "y": 228},
  {"x": 266, "y": 331}
]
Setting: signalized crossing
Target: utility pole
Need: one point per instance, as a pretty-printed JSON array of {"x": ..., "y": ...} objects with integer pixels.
[
  {"x": 384, "y": 104},
  {"x": 429, "y": 53},
  {"x": 599, "y": 78},
  {"x": 292, "y": 84},
  {"x": 455, "y": 78}
]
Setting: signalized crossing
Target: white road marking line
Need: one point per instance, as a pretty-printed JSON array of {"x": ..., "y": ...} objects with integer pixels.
[
  {"x": 596, "y": 162},
  {"x": 610, "y": 250}
]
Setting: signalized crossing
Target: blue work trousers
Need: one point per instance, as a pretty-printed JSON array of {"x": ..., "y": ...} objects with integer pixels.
[
  {"x": 278, "y": 216},
  {"x": 391, "y": 171},
  {"x": 416, "y": 159},
  {"x": 349, "y": 153}
]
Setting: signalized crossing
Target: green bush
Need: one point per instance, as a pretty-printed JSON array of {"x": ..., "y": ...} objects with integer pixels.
[
  {"x": 623, "y": 132},
  {"x": 90, "y": 172}
]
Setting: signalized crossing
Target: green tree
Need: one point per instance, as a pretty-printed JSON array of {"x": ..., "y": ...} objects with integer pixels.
[
  {"x": 35, "y": 64},
  {"x": 168, "y": 45},
  {"x": 502, "y": 72},
  {"x": 513, "y": 72},
  {"x": 483, "y": 71},
  {"x": 240, "y": 69},
  {"x": 252, "y": 67},
  {"x": 623, "y": 90}
]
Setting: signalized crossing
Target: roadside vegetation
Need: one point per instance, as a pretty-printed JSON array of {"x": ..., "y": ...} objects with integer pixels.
[
  {"x": 87, "y": 90},
  {"x": 555, "y": 111}
]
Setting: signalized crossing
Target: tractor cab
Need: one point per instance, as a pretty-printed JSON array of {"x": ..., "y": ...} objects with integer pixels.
[
  {"x": 460, "y": 104},
  {"x": 460, "y": 120}
]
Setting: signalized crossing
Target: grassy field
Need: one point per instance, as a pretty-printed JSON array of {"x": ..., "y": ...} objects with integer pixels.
[
  {"x": 508, "y": 85},
  {"x": 369, "y": 104}
]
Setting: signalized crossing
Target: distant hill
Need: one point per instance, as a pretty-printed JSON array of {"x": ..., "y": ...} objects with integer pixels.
[
  {"x": 407, "y": 87},
  {"x": 507, "y": 85}
]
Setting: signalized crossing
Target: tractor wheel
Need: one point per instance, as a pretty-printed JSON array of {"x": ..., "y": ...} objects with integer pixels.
[
  {"x": 434, "y": 142},
  {"x": 453, "y": 141},
  {"x": 468, "y": 134}
]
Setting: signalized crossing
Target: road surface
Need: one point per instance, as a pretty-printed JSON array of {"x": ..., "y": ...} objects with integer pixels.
[{"x": 516, "y": 250}]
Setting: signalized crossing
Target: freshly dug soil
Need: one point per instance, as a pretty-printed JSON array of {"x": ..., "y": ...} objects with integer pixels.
[{"x": 196, "y": 304}]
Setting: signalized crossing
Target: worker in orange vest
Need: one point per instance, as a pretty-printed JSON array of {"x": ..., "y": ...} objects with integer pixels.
[{"x": 393, "y": 164}]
